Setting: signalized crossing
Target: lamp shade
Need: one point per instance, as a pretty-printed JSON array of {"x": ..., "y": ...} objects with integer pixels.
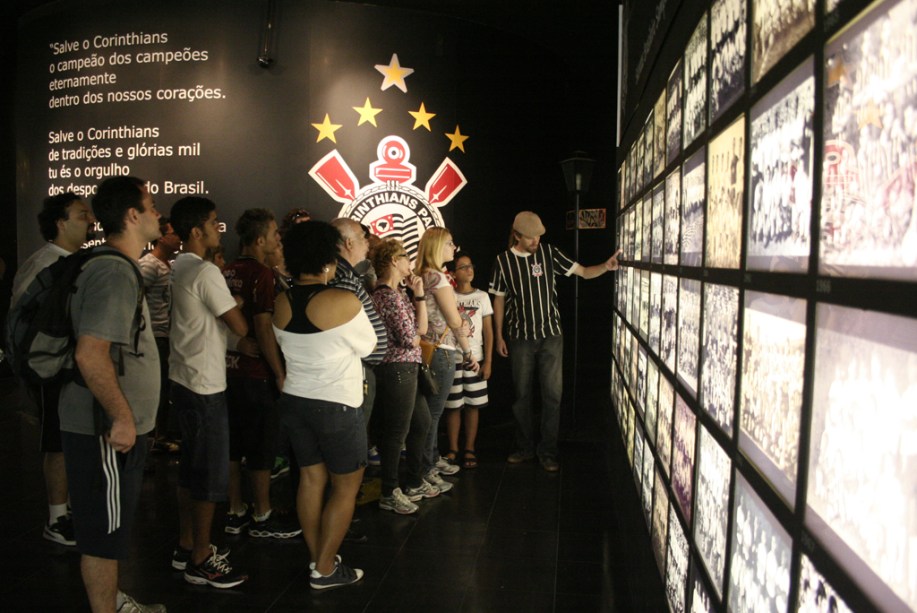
[{"x": 577, "y": 172}]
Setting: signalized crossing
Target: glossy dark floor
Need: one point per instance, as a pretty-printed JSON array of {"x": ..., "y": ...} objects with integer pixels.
[{"x": 507, "y": 538}]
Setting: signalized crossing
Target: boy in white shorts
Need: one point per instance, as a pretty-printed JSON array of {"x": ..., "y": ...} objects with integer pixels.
[{"x": 469, "y": 388}]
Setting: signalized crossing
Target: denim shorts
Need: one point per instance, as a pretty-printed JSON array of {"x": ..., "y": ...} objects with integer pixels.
[
  {"x": 204, "y": 465},
  {"x": 324, "y": 432}
]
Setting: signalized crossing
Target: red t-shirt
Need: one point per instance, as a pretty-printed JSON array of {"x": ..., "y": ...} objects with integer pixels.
[{"x": 254, "y": 282}]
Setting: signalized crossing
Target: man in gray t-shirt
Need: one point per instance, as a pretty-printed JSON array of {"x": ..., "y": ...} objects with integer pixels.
[
  {"x": 105, "y": 418},
  {"x": 102, "y": 308}
]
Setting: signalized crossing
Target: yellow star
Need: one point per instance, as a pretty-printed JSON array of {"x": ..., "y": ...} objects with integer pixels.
[
  {"x": 394, "y": 74},
  {"x": 869, "y": 115},
  {"x": 326, "y": 129},
  {"x": 422, "y": 117},
  {"x": 367, "y": 113},
  {"x": 457, "y": 138}
]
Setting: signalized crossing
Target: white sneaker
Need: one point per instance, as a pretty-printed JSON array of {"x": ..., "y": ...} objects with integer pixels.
[
  {"x": 433, "y": 478},
  {"x": 372, "y": 456},
  {"x": 129, "y": 605},
  {"x": 424, "y": 490},
  {"x": 445, "y": 467},
  {"x": 398, "y": 503}
]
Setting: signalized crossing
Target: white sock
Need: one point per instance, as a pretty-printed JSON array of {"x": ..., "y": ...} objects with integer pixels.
[
  {"x": 239, "y": 513},
  {"x": 262, "y": 517},
  {"x": 55, "y": 511}
]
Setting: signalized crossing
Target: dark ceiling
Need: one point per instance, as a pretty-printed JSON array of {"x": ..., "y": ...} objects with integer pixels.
[{"x": 582, "y": 30}]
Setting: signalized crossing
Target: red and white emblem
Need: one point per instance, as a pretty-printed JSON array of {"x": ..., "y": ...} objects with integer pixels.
[{"x": 391, "y": 206}]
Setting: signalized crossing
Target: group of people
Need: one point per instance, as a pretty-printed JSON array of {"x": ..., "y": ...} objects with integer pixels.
[{"x": 290, "y": 346}]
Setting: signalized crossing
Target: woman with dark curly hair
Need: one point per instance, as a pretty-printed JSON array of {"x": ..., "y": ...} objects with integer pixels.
[{"x": 323, "y": 333}]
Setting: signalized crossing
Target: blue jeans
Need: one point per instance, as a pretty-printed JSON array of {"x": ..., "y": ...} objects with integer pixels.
[
  {"x": 405, "y": 419},
  {"x": 547, "y": 355},
  {"x": 443, "y": 367}
]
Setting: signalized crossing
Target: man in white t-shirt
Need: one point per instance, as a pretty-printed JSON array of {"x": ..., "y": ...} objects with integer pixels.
[
  {"x": 65, "y": 222},
  {"x": 202, "y": 309}
]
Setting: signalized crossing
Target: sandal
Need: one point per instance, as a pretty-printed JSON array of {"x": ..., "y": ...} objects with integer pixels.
[
  {"x": 469, "y": 459},
  {"x": 451, "y": 456}
]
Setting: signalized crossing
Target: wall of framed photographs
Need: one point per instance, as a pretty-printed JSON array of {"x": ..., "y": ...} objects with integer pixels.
[{"x": 764, "y": 348}]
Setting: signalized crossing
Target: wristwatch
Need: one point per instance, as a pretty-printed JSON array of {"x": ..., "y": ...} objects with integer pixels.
[{"x": 419, "y": 299}]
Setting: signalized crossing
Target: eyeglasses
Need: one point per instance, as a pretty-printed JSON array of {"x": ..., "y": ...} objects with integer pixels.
[
  {"x": 465, "y": 267},
  {"x": 402, "y": 255}
]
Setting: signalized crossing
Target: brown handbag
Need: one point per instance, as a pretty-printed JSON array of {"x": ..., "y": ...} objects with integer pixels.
[{"x": 427, "y": 348}]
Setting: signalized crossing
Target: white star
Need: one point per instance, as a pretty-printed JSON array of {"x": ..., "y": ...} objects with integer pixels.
[{"x": 394, "y": 74}]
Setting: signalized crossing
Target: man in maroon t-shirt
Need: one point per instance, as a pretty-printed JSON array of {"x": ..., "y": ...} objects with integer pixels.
[{"x": 254, "y": 383}]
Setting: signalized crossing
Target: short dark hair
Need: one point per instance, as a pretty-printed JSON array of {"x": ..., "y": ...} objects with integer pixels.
[
  {"x": 163, "y": 226},
  {"x": 253, "y": 225},
  {"x": 54, "y": 209},
  {"x": 310, "y": 246},
  {"x": 289, "y": 220},
  {"x": 188, "y": 213},
  {"x": 459, "y": 256},
  {"x": 114, "y": 198}
]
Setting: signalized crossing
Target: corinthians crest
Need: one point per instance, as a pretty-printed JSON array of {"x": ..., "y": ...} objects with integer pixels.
[{"x": 390, "y": 205}]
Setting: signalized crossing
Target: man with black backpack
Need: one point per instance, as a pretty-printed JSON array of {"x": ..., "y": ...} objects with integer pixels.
[
  {"x": 108, "y": 410},
  {"x": 65, "y": 222}
]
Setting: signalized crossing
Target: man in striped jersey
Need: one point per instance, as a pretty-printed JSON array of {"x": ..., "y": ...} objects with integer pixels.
[
  {"x": 352, "y": 250},
  {"x": 525, "y": 299}
]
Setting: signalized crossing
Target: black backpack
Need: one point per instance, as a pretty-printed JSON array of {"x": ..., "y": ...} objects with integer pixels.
[{"x": 40, "y": 337}]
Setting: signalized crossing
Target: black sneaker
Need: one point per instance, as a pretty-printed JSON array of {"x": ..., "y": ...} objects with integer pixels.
[
  {"x": 61, "y": 531},
  {"x": 281, "y": 467},
  {"x": 215, "y": 571},
  {"x": 342, "y": 575},
  {"x": 355, "y": 535},
  {"x": 181, "y": 556},
  {"x": 277, "y": 526},
  {"x": 337, "y": 560},
  {"x": 235, "y": 524}
]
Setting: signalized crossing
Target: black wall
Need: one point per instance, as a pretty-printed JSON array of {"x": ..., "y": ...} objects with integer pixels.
[{"x": 524, "y": 104}]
